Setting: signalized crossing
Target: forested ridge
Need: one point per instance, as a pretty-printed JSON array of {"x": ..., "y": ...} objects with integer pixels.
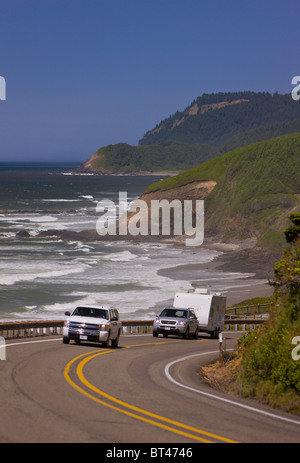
[{"x": 215, "y": 118}]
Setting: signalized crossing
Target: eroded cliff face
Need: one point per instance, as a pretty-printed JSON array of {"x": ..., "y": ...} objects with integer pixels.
[
  {"x": 90, "y": 166},
  {"x": 191, "y": 191},
  {"x": 180, "y": 208}
]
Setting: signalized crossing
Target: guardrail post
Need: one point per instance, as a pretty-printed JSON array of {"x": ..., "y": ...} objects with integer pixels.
[
  {"x": 221, "y": 344},
  {"x": 2, "y": 349}
]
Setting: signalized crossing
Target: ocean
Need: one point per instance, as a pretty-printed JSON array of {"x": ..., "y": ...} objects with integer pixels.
[{"x": 41, "y": 278}]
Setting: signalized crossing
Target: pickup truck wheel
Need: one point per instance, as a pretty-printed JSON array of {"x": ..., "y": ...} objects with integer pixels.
[
  {"x": 105, "y": 343},
  {"x": 66, "y": 340},
  {"x": 115, "y": 342},
  {"x": 196, "y": 334},
  {"x": 155, "y": 335}
]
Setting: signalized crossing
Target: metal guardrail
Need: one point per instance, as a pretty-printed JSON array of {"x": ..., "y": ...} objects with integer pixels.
[
  {"x": 249, "y": 310},
  {"x": 52, "y": 327},
  {"x": 31, "y": 328},
  {"x": 12, "y": 330}
]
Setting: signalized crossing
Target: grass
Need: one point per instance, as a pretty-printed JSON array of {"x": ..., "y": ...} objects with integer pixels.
[{"x": 257, "y": 187}]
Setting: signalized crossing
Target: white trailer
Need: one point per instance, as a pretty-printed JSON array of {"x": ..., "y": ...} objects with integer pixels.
[{"x": 209, "y": 309}]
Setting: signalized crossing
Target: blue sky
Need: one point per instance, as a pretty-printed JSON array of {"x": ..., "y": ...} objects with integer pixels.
[{"x": 81, "y": 74}]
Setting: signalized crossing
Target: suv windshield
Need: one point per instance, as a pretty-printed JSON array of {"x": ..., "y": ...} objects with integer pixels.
[
  {"x": 178, "y": 313},
  {"x": 91, "y": 312}
]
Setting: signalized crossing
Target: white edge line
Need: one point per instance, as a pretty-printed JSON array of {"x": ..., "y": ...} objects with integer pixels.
[
  {"x": 3, "y": 346},
  {"x": 257, "y": 410},
  {"x": 31, "y": 342}
]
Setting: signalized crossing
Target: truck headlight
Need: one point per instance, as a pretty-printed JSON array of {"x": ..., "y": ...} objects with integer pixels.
[
  {"x": 182, "y": 323},
  {"x": 104, "y": 327},
  {"x": 66, "y": 323}
]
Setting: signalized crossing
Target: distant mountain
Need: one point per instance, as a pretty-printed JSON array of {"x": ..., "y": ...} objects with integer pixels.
[
  {"x": 249, "y": 192},
  {"x": 168, "y": 156},
  {"x": 211, "y": 125},
  {"x": 214, "y": 119}
]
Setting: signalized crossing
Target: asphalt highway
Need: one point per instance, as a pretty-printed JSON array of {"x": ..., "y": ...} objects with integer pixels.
[{"x": 148, "y": 390}]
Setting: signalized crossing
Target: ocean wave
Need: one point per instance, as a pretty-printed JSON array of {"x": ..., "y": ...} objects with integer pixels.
[
  {"x": 9, "y": 280},
  {"x": 75, "y": 173},
  {"x": 59, "y": 200},
  {"x": 43, "y": 218},
  {"x": 123, "y": 256}
]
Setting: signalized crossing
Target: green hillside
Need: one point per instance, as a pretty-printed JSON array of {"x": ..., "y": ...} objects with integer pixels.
[
  {"x": 257, "y": 186},
  {"x": 268, "y": 357},
  {"x": 215, "y": 118},
  {"x": 260, "y": 134}
]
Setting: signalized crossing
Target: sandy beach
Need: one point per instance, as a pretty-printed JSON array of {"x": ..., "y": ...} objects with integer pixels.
[{"x": 248, "y": 273}]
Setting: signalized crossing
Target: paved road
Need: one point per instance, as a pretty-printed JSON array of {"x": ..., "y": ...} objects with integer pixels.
[{"x": 145, "y": 391}]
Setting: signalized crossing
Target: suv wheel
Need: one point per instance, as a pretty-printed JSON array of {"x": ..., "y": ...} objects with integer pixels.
[{"x": 187, "y": 333}]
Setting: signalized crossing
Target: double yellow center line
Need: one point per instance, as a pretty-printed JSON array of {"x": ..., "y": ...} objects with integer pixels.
[{"x": 107, "y": 400}]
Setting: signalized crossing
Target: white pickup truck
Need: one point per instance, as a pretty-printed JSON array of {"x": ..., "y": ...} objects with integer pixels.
[{"x": 94, "y": 324}]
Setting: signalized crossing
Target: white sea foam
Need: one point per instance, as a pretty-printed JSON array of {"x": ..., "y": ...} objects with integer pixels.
[
  {"x": 60, "y": 200},
  {"x": 13, "y": 278},
  {"x": 123, "y": 256},
  {"x": 43, "y": 218}
]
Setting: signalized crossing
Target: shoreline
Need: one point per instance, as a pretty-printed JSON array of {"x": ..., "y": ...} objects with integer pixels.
[
  {"x": 244, "y": 271},
  {"x": 248, "y": 277}
]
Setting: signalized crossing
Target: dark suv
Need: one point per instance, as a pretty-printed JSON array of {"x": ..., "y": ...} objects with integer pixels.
[{"x": 181, "y": 322}]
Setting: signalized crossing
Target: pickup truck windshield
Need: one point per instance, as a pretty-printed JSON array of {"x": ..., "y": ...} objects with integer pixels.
[
  {"x": 174, "y": 313},
  {"x": 91, "y": 312}
]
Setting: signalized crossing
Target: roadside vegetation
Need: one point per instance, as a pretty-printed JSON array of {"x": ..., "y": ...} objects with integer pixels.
[{"x": 263, "y": 367}]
